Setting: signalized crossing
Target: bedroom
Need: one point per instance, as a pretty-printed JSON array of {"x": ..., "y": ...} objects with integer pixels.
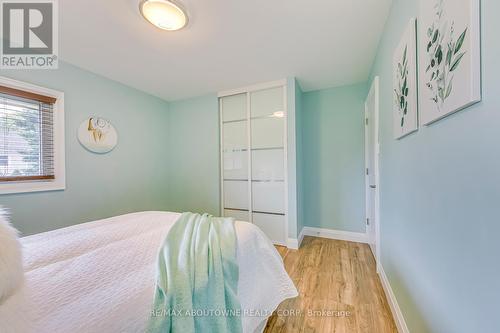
[{"x": 257, "y": 111}]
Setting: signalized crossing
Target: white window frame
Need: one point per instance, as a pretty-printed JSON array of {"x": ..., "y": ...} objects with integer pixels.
[{"x": 59, "y": 183}]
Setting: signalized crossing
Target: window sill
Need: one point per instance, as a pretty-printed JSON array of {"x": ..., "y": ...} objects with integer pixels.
[{"x": 32, "y": 186}]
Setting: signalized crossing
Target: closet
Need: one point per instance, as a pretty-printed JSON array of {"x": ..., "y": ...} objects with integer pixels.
[{"x": 254, "y": 178}]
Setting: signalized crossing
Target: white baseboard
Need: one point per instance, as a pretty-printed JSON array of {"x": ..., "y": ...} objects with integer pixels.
[
  {"x": 393, "y": 303},
  {"x": 336, "y": 234},
  {"x": 294, "y": 243},
  {"x": 301, "y": 236}
]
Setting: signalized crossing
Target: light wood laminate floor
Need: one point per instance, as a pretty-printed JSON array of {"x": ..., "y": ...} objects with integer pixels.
[{"x": 340, "y": 291}]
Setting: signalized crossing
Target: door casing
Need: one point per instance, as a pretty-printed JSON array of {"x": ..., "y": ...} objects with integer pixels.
[{"x": 372, "y": 174}]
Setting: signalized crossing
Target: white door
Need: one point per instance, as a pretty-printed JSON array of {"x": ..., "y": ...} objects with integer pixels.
[{"x": 372, "y": 167}]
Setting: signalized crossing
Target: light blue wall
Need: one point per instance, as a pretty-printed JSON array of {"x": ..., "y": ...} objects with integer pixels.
[
  {"x": 132, "y": 177},
  {"x": 440, "y": 191},
  {"x": 194, "y": 174},
  {"x": 333, "y": 158},
  {"x": 193, "y": 137}
]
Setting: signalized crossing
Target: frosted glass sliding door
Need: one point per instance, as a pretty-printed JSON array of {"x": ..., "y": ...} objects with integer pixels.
[
  {"x": 253, "y": 143},
  {"x": 235, "y": 156},
  {"x": 267, "y": 144}
]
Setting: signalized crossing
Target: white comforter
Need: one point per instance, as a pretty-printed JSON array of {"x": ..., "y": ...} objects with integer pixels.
[{"x": 100, "y": 277}]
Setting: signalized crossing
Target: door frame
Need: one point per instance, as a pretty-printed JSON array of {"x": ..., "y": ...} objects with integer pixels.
[{"x": 374, "y": 90}]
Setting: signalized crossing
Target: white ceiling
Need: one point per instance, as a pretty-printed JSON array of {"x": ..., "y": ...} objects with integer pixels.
[{"x": 228, "y": 44}]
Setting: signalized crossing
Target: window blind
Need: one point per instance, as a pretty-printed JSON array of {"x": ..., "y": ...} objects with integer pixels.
[{"x": 26, "y": 136}]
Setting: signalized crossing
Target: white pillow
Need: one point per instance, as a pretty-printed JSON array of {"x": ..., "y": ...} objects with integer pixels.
[{"x": 11, "y": 261}]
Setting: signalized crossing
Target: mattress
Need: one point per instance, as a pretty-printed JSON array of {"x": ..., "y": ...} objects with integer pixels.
[{"x": 100, "y": 277}]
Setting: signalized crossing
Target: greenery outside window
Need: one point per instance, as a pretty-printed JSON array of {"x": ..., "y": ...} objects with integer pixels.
[{"x": 31, "y": 144}]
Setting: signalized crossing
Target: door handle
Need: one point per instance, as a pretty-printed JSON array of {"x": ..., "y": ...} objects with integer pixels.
[{"x": 373, "y": 186}]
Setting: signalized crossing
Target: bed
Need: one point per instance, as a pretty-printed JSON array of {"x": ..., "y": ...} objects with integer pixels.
[{"x": 100, "y": 277}]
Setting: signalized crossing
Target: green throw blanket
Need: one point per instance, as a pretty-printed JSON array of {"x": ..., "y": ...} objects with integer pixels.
[{"x": 197, "y": 278}]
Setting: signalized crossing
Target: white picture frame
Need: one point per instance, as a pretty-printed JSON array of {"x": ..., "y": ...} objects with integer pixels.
[
  {"x": 97, "y": 135},
  {"x": 449, "y": 57},
  {"x": 405, "y": 88}
]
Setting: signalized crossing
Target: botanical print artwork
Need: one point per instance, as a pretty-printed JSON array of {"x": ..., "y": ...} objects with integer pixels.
[
  {"x": 405, "y": 84},
  {"x": 444, "y": 53},
  {"x": 97, "y": 135},
  {"x": 449, "y": 57},
  {"x": 402, "y": 90}
]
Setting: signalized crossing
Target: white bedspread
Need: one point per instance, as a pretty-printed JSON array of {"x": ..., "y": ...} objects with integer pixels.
[{"x": 100, "y": 277}]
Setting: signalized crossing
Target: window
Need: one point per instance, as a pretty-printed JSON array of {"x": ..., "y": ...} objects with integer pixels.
[{"x": 31, "y": 144}]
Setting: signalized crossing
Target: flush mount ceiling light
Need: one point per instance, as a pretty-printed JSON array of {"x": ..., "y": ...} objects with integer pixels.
[{"x": 164, "y": 14}]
